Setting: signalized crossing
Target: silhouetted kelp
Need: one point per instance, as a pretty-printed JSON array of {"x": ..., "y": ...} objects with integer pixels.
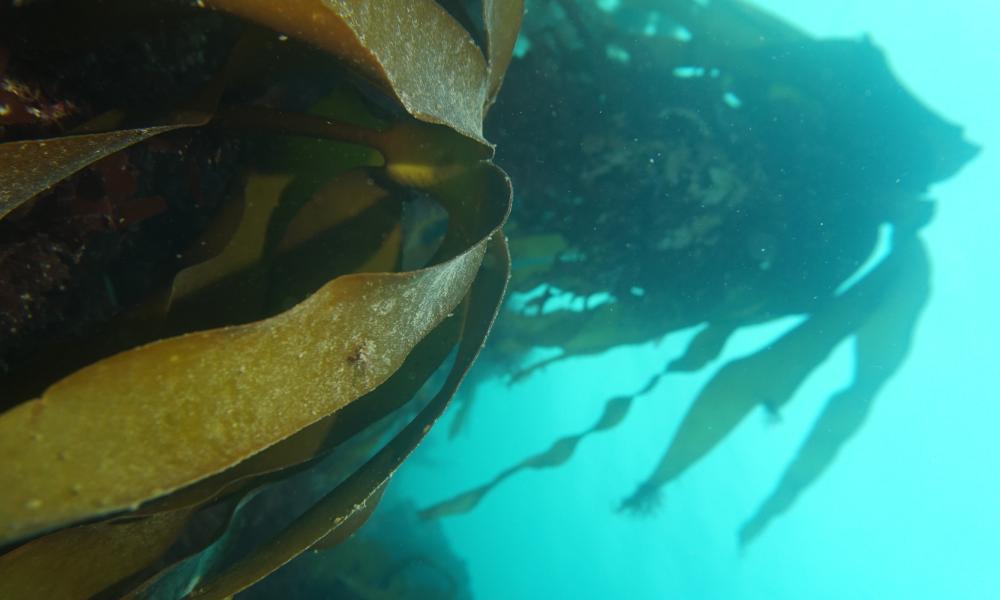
[
  {"x": 280, "y": 338},
  {"x": 715, "y": 167}
]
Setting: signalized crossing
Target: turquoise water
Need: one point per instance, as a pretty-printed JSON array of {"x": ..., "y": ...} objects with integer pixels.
[{"x": 908, "y": 509}]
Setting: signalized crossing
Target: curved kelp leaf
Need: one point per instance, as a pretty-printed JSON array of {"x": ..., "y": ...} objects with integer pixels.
[
  {"x": 148, "y": 421},
  {"x": 172, "y": 432},
  {"x": 353, "y": 523},
  {"x": 347, "y": 226},
  {"x": 245, "y": 246},
  {"x": 33, "y": 166},
  {"x": 882, "y": 344},
  {"x": 303, "y": 451},
  {"x": 502, "y": 19},
  {"x": 491, "y": 187},
  {"x": 343, "y": 504},
  {"x": 314, "y": 441},
  {"x": 767, "y": 378},
  {"x": 413, "y": 49},
  {"x": 105, "y": 560},
  {"x": 81, "y": 561}
]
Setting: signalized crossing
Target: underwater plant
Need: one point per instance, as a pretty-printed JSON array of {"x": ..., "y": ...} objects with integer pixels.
[
  {"x": 205, "y": 213},
  {"x": 717, "y": 169}
]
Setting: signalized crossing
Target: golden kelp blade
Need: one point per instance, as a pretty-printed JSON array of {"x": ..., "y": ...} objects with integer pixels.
[
  {"x": 33, "y": 166},
  {"x": 261, "y": 195},
  {"x": 472, "y": 221},
  {"x": 304, "y": 449},
  {"x": 343, "y": 504},
  {"x": 353, "y": 523},
  {"x": 146, "y": 422},
  {"x": 412, "y": 48},
  {"x": 82, "y": 561},
  {"x": 143, "y": 423}
]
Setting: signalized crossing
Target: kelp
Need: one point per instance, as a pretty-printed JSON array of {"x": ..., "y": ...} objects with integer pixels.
[
  {"x": 306, "y": 452},
  {"x": 193, "y": 384},
  {"x": 879, "y": 312},
  {"x": 80, "y": 562},
  {"x": 350, "y": 498},
  {"x": 31, "y": 167},
  {"x": 881, "y": 345},
  {"x": 752, "y": 187},
  {"x": 561, "y": 450},
  {"x": 371, "y": 37},
  {"x": 704, "y": 347},
  {"x": 770, "y": 377},
  {"x": 325, "y": 339},
  {"x": 103, "y": 560}
]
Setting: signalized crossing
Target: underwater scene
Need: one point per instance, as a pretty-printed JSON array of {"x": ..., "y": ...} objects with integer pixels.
[{"x": 499, "y": 299}]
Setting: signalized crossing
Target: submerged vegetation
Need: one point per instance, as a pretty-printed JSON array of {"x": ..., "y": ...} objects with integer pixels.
[
  {"x": 249, "y": 250},
  {"x": 716, "y": 168},
  {"x": 218, "y": 289}
]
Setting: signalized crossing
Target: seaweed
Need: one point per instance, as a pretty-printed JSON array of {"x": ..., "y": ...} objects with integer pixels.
[
  {"x": 717, "y": 168},
  {"x": 286, "y": 330}
]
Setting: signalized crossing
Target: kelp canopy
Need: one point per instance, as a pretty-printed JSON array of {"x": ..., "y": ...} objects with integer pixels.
[
  {"x": 716, "y": 168},
  {"x": 216, "y": 276}
]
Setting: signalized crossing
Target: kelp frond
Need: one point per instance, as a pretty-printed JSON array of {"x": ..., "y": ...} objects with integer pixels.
[{"x": 287, "y": 328}]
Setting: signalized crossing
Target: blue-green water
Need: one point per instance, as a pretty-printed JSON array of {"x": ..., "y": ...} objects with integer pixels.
[{"x": 908, "y": 509}]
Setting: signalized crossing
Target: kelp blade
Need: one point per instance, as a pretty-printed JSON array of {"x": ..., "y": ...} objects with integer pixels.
[
  {"x": 767, "y": 378},
  {"x": 502, "y": 19},
  {"x": 343, "y": 505},
  {"x": 412, "y": 48},
  {"x": 33, "y": 166},
  {"x": 470, "y": 221},
  {"x": 80, "y": 562},
  {"x": 881, "y": 346},
  {"x": 146, "y": 422},
  {"x": 558, "y": 453}
]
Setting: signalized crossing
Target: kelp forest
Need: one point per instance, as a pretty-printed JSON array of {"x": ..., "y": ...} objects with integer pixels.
[
  {"x": 250, "y": 250},
  {"x": 715, "y": 176}
]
